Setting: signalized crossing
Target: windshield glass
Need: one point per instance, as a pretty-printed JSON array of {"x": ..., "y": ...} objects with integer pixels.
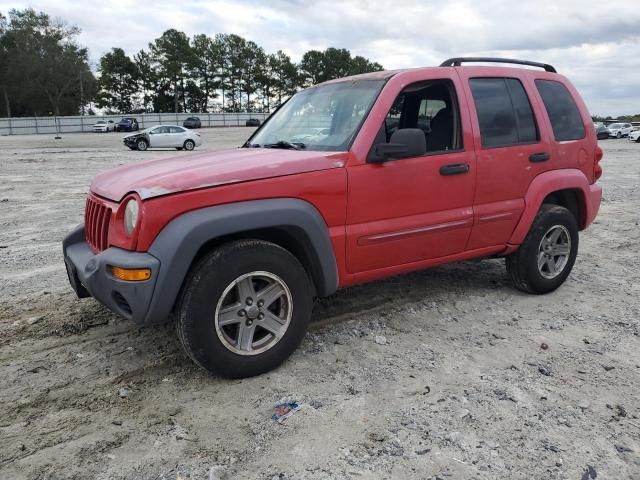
[
  {"x": 326, "y": 117},
  {"x": 615, "y": 125}
]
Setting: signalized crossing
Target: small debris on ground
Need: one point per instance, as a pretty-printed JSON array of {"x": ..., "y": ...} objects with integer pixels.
[
  {"x": 544, "y": 371},
  {"x": 380, "y": 340},
  {"x": 284, "y": 410},
  {"x": 124, "y": 392},
  {"x": 589, "y": 473}
]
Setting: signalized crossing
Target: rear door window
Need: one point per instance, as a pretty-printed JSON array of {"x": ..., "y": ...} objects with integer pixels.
[
  {"x": 504, "y": 112},
  {"x": 562, "y": 110}
]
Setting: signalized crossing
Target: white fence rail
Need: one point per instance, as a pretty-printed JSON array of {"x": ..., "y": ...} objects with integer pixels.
[{"x": 53, "y": 125}]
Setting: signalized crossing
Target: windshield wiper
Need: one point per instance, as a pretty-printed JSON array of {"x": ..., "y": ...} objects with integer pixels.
[
  {"x": 250, "y": 145},
  {"x": 285, "y": 144}
]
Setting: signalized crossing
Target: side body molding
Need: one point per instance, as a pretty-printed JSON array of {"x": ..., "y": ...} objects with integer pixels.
[
  {"x": 552, "y": 181},
  {"x": 180, "y": 240}
]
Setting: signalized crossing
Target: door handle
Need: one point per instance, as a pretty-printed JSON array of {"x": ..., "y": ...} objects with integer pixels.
[
  {"x": 454, "y": 169},
  {"x": 539, "y": 157}
]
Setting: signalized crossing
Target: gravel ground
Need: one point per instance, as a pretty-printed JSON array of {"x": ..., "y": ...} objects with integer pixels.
[{"x": 447, "y": 373}]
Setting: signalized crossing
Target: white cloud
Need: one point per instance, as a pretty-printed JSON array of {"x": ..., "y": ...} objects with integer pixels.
[{"x": 591, "y": 42}]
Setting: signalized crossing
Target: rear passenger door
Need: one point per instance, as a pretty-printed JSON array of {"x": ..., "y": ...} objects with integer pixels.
[
  {"x": 510, "y": 151},
  {"x": 178, "y": 136}
]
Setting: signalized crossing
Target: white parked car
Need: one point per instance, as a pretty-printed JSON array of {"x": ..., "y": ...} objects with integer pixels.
[
  {"x": 104, "y": 126},
  {"x": 163, "y": 136},
  {"x": 635, "y": 136},
  {"x": 620, "y": 130}
]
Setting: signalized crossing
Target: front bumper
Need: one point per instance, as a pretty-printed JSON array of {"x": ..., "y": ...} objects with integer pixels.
[{"x": 89, "y": 275}]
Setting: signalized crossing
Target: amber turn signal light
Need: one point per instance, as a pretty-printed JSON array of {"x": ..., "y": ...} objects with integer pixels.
[{"x": 131, "y": 274}]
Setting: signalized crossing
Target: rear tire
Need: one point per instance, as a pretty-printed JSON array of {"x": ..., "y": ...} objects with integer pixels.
[
  {"x": 189, "y": 145},
  {"x": 237, "y": 337},
  {"x": 545, "y": 259}
]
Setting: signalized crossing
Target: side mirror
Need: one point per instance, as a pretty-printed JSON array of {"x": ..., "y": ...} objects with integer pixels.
[
  {"x": 404, "y": 143},
  {"x": 384, "y": 151}
]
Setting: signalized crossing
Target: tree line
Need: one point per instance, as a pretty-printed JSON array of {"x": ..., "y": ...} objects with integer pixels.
[
  {"x": 44, "y": 71},
  {"x": 621, "y": 118}
]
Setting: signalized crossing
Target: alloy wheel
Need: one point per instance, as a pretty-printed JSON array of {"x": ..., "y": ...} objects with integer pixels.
[
  {"x": 554, "y": 251},
  {"x": 253, "y": 313}
]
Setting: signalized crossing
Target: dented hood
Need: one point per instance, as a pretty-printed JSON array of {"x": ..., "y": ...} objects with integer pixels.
[{"x": 190, "y": 172}]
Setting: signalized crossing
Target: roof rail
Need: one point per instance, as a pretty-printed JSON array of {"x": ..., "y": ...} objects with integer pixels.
[{"x": 457, "y": 61}]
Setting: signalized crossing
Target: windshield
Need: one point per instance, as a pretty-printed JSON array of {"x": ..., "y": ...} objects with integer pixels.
[
  {"x": 615, "y": 125},
  {"x": 326, "y": 117},
  {"x": 100, "y": 122}
]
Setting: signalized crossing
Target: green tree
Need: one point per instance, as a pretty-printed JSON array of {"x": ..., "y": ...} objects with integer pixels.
[
  {"x": 173, "y": 54},
  {"x": 317, "y": 67},
  {"x": 312, "y": 67},
  {"x": 205, "y": 59},
  {"x": 118, "y": 82},
  {"x": 363, "y": 65},
  {"x": 286, "y": 78},
  {"x": 4, "y": 64},
  {"x": 43, "y": 65},
  {"x": 147, "y": 78},
  {"x": 235, "y": 47},
  {"x": 254, "y": 63}
]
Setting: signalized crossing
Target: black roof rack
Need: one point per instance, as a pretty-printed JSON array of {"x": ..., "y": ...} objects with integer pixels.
[{"x": 456, "y": 62}]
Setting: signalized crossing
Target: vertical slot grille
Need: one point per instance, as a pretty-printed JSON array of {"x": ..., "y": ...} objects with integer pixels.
[{"x": 96, "y": 224}]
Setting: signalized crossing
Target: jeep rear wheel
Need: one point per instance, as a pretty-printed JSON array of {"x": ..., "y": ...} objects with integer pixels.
[
  {"x": 244, "y": 308},
  {"x": 545, "y": 259}
]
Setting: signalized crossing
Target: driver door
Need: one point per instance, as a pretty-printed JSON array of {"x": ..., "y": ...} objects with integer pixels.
[
  {"x": 408, "y": 210},
  {"x": 158, "y": 137}
]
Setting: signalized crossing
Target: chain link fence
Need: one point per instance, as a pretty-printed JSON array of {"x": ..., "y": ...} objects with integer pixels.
[{"x": 76, "y": 124}]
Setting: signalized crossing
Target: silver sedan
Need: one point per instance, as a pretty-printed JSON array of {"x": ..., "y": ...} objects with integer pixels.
[{"x": 163, "y": 136}]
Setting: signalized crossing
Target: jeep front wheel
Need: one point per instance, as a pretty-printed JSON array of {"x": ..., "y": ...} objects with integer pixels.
[
  {"x": 545, "y": 259},
  {"x": 244, "y": 309}
]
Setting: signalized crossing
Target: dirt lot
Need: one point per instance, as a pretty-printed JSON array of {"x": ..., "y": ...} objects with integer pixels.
[{"x": 439, "y": 374}]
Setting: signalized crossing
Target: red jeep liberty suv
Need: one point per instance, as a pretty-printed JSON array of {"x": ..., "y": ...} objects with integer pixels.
[{"x": 349, "y": 181}]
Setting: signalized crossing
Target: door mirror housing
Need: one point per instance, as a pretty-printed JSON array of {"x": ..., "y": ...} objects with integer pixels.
[
  {"x": 386, "y": 151},
  {"x": 404, "y": 143}
]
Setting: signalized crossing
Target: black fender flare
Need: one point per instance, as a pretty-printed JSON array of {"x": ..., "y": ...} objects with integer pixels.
[{"x": 181, "y": 239}]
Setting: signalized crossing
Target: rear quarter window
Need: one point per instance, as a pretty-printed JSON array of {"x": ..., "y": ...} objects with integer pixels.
[
  {"x": 563, "y": 112},
  {"x": 504, "y": 112}
]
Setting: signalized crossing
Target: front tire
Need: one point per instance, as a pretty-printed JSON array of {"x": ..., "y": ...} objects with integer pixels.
[
  {"x": 244, "y": 308},
  {"x": 545, "y": 259},
  {"x": 189, "y": 145},
  {"x": 142, "y": 145}
]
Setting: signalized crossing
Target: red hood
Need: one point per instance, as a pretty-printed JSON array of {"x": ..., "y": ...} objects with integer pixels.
[{"x": 189, "y": 172}]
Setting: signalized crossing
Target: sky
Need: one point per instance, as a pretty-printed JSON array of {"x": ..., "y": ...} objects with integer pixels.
[{"x": 594, "y": 43}]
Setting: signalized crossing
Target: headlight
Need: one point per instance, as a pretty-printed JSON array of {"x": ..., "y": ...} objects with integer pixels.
[{"x": 131, "y": 216}]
